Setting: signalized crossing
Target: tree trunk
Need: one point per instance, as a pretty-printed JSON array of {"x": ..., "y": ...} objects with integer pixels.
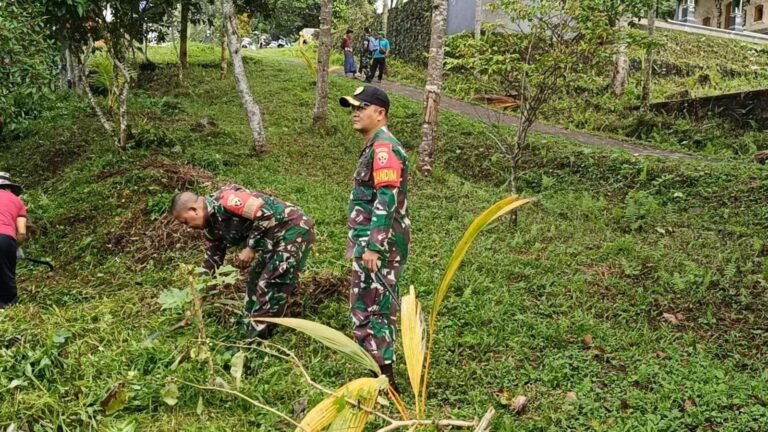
[
  {"x": 184, "y": 35},
  {"x": 323, "y": 61},
  {"x": 123, "y": 137},
  {"x": 72, "y": 80},
  {"x": 241, "y": 80},
  {"x": 648, "y": 71},
  {"x": 146, "y": 47},
  {"x": 433, "y": 87},
  {"x": 64, "y": 65},
  {"x": 223, "y": 65},
  {"x": 84, "y": 75},
  {"x": 478, "y": 18},
  {"x": 74, "y": 71},
  {"x": 385, "y": 17},
  {"x": 620, "y": 64}
]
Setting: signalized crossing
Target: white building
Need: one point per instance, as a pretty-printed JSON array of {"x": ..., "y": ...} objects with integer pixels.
[{"x": 735, "y": 15}]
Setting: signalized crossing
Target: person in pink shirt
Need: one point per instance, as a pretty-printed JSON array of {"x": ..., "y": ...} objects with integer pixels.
[{"x": 13, "y": 230}]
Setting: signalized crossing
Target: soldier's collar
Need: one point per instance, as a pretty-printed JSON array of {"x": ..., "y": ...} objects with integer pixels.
[
  {"x": 210, "y": 205},
  {"x": 382, "y": 130}
]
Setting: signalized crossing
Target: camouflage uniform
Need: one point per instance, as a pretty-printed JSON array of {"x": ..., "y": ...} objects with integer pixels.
[
  {"x": 378, "y": 220},
  {"x": 281, "y": 234}
]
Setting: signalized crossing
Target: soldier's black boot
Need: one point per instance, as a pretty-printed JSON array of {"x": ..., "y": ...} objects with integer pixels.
[
  {"x": 261, "y": 331},
  {"x": 388, "y": 370}
]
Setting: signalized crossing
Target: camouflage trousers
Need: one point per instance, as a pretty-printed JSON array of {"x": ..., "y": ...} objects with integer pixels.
[
  {"x": 273, "y": 277},
  {"x": 374, "y": 303}
]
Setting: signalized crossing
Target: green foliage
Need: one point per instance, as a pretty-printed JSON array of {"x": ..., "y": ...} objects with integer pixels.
[
  {"x": 560, "y": 41},
  {"x": 517, "y": 314},
  {"x": 409, "y": 29},
  {"x": 27, "y": 65},
  {"x": 685, "y": 61},
  {"x": 640, "y": 209},
  {"x": 287, "y": 17},
  {"x": 353, "y": 14}
]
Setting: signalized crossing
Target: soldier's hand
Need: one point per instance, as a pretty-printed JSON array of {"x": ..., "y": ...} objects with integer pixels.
[
  {"x": 371, "y": 260},
  {"x": 244, "y": 258}
]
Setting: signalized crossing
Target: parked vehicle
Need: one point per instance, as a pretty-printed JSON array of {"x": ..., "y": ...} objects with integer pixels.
[{"x": 247, "y": 43}]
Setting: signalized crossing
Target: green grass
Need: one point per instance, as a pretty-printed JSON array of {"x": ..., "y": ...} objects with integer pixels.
[
  {"x": 684, "y": 62},
  {"x": 612, "y": 244}
]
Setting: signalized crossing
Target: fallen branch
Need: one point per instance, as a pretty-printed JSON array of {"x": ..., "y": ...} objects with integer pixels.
[
  {"x": 485, "y": 422},
  {"x": 246, "y": 398},
  {"x": 411, "y": 423},
  {"x": 293, "y": 359}
]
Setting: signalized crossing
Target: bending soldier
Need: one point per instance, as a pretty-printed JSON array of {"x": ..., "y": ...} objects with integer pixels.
[{"x": 278, "y": 231}]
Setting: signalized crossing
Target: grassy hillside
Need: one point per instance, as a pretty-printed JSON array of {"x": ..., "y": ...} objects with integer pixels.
[
  {"x": 686, "y": 64},
  {"x": 613, "y": 243}
]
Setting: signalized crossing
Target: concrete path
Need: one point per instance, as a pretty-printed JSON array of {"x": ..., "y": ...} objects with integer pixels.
[{"x": 485, "y": 114}]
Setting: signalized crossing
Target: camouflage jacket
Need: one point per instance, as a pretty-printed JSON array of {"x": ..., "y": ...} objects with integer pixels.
[
  {"x": 239, "y": 217},
  {"x": 378, "y": 205}
]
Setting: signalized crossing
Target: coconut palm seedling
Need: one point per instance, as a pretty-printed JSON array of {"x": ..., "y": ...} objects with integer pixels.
[{"x": 350, "y": 407}]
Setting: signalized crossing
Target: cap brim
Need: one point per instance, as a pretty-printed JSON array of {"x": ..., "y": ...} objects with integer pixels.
[{"x": 349, "y": 101}]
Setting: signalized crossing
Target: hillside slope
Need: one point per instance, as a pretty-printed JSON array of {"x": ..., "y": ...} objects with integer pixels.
[{"x": 612, "y": 245}]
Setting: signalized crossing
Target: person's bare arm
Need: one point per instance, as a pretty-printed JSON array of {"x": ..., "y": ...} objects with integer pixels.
[{"x": 21, "y": 229}]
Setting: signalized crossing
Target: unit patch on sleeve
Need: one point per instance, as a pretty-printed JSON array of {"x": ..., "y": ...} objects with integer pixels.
[
  {"x": 242, "y": 204},
  {"x": 387, "y": 168}
]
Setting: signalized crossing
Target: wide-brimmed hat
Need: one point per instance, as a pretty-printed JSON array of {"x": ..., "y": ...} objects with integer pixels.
[{"x": 7, "y": 183}]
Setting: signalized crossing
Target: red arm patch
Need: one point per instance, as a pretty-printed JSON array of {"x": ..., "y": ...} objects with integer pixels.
[
  {"x": 387, "y": 168},
  {"x": 242, "y": 204}
]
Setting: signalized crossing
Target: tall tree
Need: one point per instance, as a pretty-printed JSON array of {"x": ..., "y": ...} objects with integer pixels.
[
  {"x": 648, "y": 63},
  {"x": 385, "y": 16},
  {"x": 223, "y": 62},
  {"x": 433, "y": 87},
  {"x": 241, "y": 80},
  {"x": 323, "y": 61},
  {"x": 620, "y": 63},
  {"x": 28, "y": 63},
  {"x": 617, "y": 12},
  {"x": 184, "y": 35},
  {"x": 562, "y": 42}
]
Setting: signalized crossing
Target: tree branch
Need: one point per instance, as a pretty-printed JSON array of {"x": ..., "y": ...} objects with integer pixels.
[
  {"x": 292, "y": 358},
  {"x": 411, "y": 423},
  {"x": 485, "y": 422},
  {"x": 246, "y": 398}
]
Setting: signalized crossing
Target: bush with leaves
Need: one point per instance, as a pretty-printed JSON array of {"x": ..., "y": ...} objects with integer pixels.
[
  {"x": 27, "y": 64},
  {"x": 548, "y": 46},
  {"x": 408, "y": 28}
]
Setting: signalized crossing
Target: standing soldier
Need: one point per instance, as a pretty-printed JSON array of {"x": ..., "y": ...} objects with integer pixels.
[
  {"x": 280, "y": 232},
  {"x": 379, "y": 228}
]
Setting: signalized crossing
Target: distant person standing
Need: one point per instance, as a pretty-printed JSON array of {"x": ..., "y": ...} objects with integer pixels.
[
  {"x": 367, "y": 47},
  {"x": 13, "y": 229},
  {"x": 349, "y": 56},
  {"x": 379, "y": 57}
]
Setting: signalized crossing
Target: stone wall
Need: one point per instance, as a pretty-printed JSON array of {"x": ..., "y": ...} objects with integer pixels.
[{"x": 738, "y": 108}]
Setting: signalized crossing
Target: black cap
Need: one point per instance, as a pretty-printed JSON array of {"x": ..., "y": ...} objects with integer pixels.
[{"x": 367, "y": 94}]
